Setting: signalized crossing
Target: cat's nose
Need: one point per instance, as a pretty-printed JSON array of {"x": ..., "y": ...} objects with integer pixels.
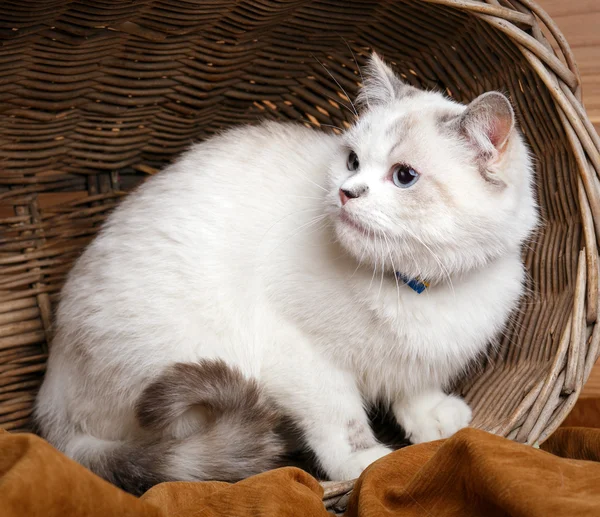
[{"x": 347, "y": 194}]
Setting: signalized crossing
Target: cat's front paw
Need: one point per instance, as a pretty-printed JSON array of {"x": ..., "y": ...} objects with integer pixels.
[
  {"x": 433, "y": 416},
  {"x": 357, "y": 462}
]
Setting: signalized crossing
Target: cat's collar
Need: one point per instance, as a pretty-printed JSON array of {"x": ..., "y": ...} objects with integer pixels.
[{"x": 418, "y": 285}]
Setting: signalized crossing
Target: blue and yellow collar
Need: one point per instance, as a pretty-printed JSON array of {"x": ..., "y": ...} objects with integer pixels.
[{"x": 416, "y": 284}]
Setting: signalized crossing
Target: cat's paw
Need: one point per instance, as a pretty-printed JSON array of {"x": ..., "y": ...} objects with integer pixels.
[
  {"x": 357, "y": 462},
  {"x": 433, "y": 416}
]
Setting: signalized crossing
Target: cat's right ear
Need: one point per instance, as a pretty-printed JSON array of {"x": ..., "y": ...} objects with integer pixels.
[
  {"x": 487, "y": 124},
  {"x": 381, "y": 85}
]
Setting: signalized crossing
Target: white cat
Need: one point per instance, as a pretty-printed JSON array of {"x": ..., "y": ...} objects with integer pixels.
[{"x": 276, "y": 270}]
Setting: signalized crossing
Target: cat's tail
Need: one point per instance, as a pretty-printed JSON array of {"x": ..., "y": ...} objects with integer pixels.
[{"x": 228, "y": 429}]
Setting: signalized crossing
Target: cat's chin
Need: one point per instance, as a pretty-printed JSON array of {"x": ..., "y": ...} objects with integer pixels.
[
  {"x": 355, "y": 226},
  {"x": 353, "y": 236}
]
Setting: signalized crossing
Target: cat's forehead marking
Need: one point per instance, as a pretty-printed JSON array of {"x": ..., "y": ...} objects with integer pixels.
[
  {"x": 443, "y": 192},
  {"x": 399, "y": 126},
  {"x": 404, "y": 128}
]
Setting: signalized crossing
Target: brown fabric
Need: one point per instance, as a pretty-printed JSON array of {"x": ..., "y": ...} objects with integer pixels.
[
  {"x": 479, "y": 474},
  {"x": 470, "y": 474},
  {"x": 586, "y": 412},
  {"x": 575, "y": 443},
  {"x": 38, "y": 481}
]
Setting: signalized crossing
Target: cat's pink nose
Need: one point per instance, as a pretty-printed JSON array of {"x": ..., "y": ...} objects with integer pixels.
[
  {"x": 344, "y": 198},
  {"x": 347, "y": 194}
]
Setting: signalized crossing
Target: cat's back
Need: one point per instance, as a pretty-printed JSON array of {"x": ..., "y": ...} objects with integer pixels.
[
  {"x": 179, "y": 245},
  {"x": 228, "y": 178}
]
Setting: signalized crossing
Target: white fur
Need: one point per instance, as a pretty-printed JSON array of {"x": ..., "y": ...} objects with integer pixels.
[{"x": 238, "y": 251}]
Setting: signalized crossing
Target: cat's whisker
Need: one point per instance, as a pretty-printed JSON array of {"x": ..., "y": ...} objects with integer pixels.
[
  {"x": 334, "y": 127},
  {"x": 415, "y": 262},
  {"x": 311, "y": 181},
  {"x": 382, "y": 268},
  {"x": 296, "y": 212},
  {"x": 298, "y": 230},
  {"x": 373, "y": 276},
  {"x": 395, "y": 276},
  {"x": 374, "y": 262},
  {"x": 305, "y": 197},
  {"x": 359, "y": 263},
  {"x": 362, "y": 79},
  {"x": 337, "y": 101},
  {"x": 369, "y": 228},
  {"x": 362, "y": 256},
  {"x": 321, "y": 226},
  {"x": 336, "y": 82},
  {"x": 451, "y": 285}
]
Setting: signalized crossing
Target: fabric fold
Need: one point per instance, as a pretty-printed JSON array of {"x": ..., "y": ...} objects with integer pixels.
[
  {"x": 478, "y": 474},
  {"x": 471, "y": 474}
]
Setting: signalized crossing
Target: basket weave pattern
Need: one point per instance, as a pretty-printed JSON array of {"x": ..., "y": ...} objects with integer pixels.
[{"x": 96, "y": 96}]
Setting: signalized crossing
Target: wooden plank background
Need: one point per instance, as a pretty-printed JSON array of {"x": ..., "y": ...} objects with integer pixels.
[{"x": 580, "y": 22}]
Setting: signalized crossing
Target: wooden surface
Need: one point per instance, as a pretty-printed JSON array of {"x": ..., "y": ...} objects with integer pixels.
[{"x": 580, "y": 22}]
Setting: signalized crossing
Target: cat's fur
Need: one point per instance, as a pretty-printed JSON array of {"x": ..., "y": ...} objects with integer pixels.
[{"x": 235, "y": 283}]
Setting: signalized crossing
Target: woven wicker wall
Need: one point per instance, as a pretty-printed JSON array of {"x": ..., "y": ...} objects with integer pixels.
[{"x": 95, "y": 96}]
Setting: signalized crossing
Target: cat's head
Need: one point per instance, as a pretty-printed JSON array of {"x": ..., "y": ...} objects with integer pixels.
[{"x": 429, "y": 186}]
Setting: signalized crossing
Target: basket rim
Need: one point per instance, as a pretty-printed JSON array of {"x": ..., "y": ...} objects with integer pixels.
[{"x": 526, "y": 24}]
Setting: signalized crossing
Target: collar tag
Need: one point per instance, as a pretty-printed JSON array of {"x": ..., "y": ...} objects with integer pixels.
[{"x": 416, "y": 284}]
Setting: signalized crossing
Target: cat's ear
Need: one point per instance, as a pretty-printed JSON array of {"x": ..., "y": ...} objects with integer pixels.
[
  {"x": 488, "y": 123},
  {"x": 381, "y": 85}
]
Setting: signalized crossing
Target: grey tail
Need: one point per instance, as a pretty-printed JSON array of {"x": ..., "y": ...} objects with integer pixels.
[{"x": 202, "y": 421}]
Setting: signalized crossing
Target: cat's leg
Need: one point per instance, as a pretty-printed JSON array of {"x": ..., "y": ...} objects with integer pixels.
[
  {"x": 431, "y": 415},
  {"x": 326, "y": 405}
]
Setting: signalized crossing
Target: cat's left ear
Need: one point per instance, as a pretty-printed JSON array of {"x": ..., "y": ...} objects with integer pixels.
[
  {"x": 381, "y": 85},
  {"x": 488, "y": 123}
]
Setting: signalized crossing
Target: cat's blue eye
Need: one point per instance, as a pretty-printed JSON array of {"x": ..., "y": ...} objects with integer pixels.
[
  {"x": 404, "y": 176},
  {"x": 353, "y": 162}
]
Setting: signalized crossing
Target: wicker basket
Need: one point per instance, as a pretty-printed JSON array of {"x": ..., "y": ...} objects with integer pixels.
[{"x": 96, "y": 96}]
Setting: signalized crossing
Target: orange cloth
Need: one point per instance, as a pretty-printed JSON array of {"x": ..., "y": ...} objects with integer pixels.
[
  {"x": 477, "y": 474},
  {"x": 38, "y": 481},
  {"x": 471, "y": 474}
]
